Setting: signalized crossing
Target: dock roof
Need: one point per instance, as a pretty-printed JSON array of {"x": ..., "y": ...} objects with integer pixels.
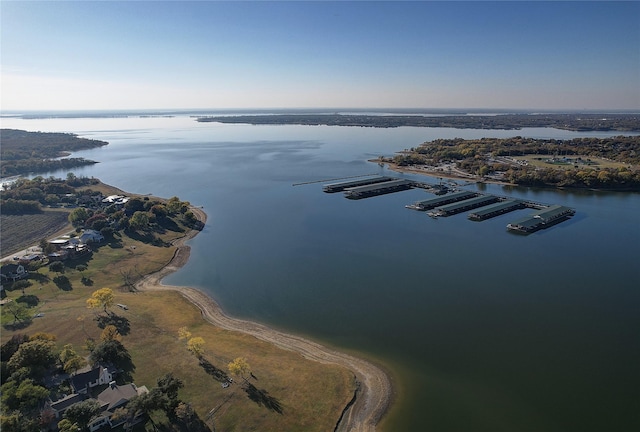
[
  {"x": 448, "y": 197},
  {"x": 471, "y": 202},
  {"x": 378, "y": 186},
  {"x": 496, "y": 207}
]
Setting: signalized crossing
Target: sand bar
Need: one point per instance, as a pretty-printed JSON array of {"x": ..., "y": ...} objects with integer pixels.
[{"x": 373, "y": 394}]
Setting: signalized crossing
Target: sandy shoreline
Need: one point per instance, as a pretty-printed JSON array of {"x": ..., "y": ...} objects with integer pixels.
[{"x": 373, "y": 395}]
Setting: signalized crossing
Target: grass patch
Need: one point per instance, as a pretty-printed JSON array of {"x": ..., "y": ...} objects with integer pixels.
[{"x": 588, "y": 162}]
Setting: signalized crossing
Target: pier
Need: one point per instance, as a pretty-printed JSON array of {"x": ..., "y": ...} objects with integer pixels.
[
  {"x": 496, "y": 209},
  {"x": 464, "y": 205},
  {"x": 541, "y": 219},
  {"x": 442, "y": 200},
  {"x": 341, "y": 186},
  {"x": 378, "y": 189}
]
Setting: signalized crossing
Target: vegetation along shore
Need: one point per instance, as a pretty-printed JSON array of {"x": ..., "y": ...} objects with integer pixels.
[
  {"x": 594, "y": 163},
  {"x": 95, "y": 297}
]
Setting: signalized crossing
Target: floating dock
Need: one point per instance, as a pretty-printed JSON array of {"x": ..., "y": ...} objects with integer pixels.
[
  {"x": 341, "y": 186},
  {"x": 464, "y": 205},
  {"x": 378, "y": 189},
  {"x": 541, "y": 219},
  {"x": 442, "y": 200},
  {"x": 496, "y": 209}
]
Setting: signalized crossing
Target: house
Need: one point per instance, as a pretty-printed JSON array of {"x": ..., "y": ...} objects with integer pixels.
[
  {"x": 91, "y": 236},
  {"x": 113, "y": 398},
  {"x": 82, "y": 382},
  {"x": 60, "y": 406},
  {"x": 13, "y": 272}
]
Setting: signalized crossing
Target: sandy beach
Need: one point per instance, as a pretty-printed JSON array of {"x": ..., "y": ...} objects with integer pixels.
[{"x": 374, "y": 390}]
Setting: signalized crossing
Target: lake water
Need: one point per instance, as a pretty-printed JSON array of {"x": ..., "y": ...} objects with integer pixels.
[{"x": 482, "y": 330}]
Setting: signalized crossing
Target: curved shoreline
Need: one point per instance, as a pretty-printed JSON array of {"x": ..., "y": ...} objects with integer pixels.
[{"x": 373, "y": 390}]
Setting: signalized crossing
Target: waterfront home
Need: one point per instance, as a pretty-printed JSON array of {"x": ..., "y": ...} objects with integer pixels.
[
  {"x": 13, "y": 272},
  {"x": 91, "y": 236},
  {"x": 83, "y": 381},
  {"x": 113, "y": 398}
]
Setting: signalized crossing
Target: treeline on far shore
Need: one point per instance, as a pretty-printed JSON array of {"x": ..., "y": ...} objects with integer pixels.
[
  {"x": 25, "y": 152},
  {"x": 574, "y": 122},
  {"x": 575, "y": 163}
]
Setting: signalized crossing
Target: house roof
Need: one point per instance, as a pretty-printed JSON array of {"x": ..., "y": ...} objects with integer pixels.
[
  {"x": 81, "y": 380},
  {"x": 9, "y": 268},
  {"x": 64, "y": 403},
  {"x": 116, "y": 395}
]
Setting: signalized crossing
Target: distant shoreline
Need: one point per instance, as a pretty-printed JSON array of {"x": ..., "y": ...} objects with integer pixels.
[
  {"x": 373, "y": 395},
  {"x": 583, "y": 122}
]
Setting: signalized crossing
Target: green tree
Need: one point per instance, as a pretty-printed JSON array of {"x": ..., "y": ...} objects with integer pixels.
[
  {"x": 78, "y": 216},
  {"x": 24, "y": 396},
  {"x": 169, "y": 385},
  {"x": 66, "y": 425},
  {"x": 36, "y": 355},
  {"x": 56, "y": 266},
  {"x": 139, "y": 220},
  {"x": 70, "y": 359},
  {"x": 103, "y": 298},
  {"x": 83, "y": 412},
  {"x": 19, "y": 311}
]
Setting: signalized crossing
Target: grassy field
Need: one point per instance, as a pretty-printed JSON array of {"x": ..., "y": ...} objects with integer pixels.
[
  {"x": 290, "y": 393},
  {"x": 540, "y": 162}
]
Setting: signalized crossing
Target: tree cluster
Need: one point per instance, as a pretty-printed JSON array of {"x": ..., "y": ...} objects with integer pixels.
[
  {"x": 487, "y": 155},
  {"x": 25, "y": 152},
  {"x": 26, "y": 196},
  {"x": 577, "y": 122}
]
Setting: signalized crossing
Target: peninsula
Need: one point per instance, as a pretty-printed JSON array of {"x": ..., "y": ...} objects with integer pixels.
[
  {"x": 597, "y": 163},
  {"x": 293, "y": 384},
  {"x": 25, "y": 152}
]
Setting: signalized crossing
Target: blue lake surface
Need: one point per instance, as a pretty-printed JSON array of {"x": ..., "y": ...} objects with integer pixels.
[{"x": 481, "y": 329}]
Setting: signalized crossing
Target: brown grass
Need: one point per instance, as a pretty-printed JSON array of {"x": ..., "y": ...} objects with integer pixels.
[
  {"x": 309, "y": 395},
  {"x": 596, "y": 162}
]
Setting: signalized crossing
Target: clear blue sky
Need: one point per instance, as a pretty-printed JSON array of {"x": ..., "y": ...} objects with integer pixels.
[{"x": 147, "y": 54}]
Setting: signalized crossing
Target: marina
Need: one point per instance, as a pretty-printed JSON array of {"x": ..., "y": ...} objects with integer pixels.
[{"x": 458, "y": 201}]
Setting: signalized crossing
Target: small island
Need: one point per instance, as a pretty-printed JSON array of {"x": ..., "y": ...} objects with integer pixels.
[
  {"x": 596, "y": 163},
  {"x": 25, "y": 152}
]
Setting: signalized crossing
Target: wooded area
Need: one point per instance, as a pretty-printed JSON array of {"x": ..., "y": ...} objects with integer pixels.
[
  {"x": 563, "y": 163},
  {"x": 575, "y": 122},
  {"x": 25, "y": 152}
]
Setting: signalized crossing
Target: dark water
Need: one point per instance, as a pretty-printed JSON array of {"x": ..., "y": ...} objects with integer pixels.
[{"x": 483, "y": 330}]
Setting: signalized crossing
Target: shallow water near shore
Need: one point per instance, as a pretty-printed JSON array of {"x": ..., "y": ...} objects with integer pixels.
[{"x": 487, "y": 331}]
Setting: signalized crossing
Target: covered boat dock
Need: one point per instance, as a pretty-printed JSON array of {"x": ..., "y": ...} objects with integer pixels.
[
  {"x": 542, "y": 219},
  {"x": 468, "y": 204},
  {"x": 496, "y": 209},
  {"x": 341, "y": 186},
  {"x": 442, "y": 200},
  {"x": 378, "y": 189}
]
